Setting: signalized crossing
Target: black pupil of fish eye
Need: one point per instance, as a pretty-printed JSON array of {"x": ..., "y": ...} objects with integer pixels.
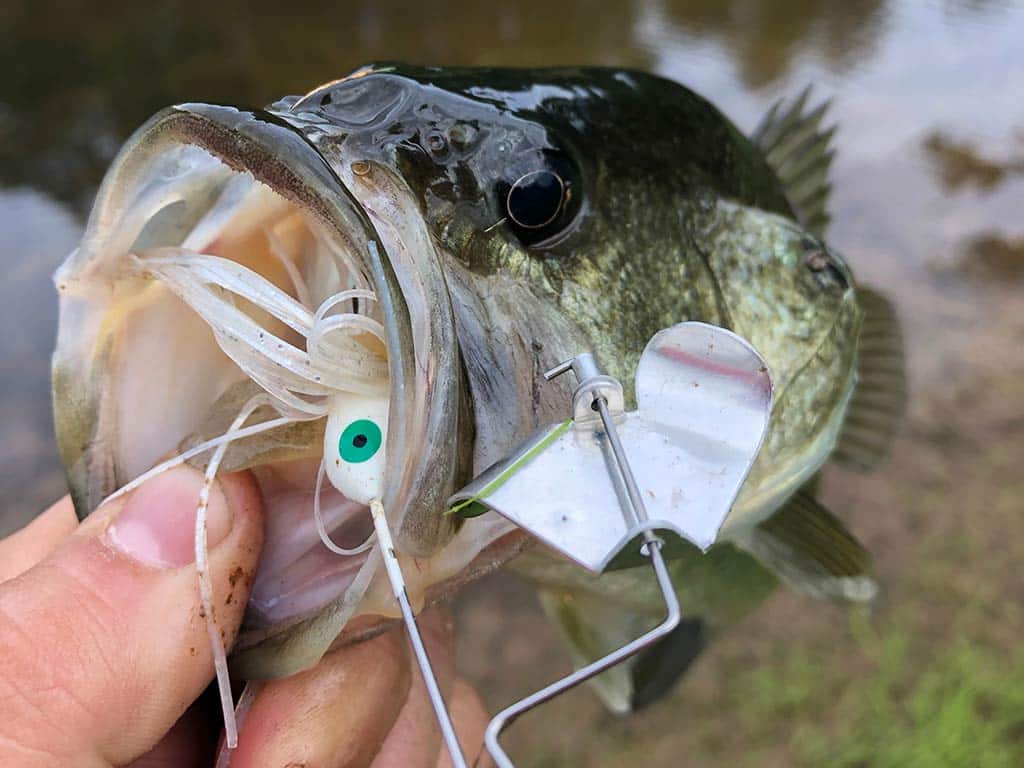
[
  {"x": 535, "y": 199},
  {"x": 359, "y": 441}
]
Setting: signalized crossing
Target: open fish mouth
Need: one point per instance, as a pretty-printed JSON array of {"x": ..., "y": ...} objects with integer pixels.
[{"x": 229, "y": 284}]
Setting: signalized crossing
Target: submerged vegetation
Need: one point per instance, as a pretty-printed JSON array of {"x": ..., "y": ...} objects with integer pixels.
[
  {"x": 960, "y": 164},
  {"x": 992, "y": 254}
]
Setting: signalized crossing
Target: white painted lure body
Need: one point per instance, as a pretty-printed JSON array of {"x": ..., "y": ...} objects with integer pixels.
[
  {"x": 354, "y": 451},
  {"x": 354, "y": 457}
]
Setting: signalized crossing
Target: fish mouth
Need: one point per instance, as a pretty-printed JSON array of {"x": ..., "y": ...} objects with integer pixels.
[{"x": 139, "y": 372}]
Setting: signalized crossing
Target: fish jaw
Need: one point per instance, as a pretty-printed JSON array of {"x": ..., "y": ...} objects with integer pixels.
[
  {"x": 436, "y": 433},
  {"x": 185, "y": 157}
]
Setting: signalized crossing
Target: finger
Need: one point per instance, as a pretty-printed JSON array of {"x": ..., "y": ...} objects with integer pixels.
[
  {"x": 26, "y": 547},
  {"x": 333, "y": 716},
  {"x": 104, "y": 645},
  {"x": 416, "y": 737},
  {"x": 470, "y": 720}
]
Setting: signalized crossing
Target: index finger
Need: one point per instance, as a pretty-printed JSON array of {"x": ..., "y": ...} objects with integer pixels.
[{"x": 33, "y": 543}]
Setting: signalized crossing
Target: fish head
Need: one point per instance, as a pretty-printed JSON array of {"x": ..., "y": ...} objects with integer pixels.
[{"x": 482, "y": 195}]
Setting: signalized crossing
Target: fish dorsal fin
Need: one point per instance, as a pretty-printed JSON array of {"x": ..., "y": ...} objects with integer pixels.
[
  {"x": 811, "y": 550},
  {"x": 796, "y": 147},
  {"x": 879, "y": 400}
]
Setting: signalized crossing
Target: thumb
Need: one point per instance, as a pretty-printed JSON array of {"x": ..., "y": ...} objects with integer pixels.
[{"x": 103, "y": 644}]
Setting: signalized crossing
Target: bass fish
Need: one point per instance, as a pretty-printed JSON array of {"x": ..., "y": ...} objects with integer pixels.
[{"x": 365, "y": 283}]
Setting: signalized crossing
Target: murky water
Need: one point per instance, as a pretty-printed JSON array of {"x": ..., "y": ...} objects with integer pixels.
[{"x": 928, "y": 178}]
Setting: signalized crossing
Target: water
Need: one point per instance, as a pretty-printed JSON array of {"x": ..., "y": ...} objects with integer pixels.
[{"x": 927, "y": 188}]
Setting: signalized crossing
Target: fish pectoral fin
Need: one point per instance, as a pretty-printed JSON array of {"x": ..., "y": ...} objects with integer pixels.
[
  {"x": 797, "y": 149},
  {"x": 876, "y": 410},
  {"x": 656, "y": 670},
  {"x": 813, "y": 552},
  {"x": 592, "y": 627}
]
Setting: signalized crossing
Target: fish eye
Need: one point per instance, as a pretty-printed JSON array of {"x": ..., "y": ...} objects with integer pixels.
[
  {"x": 535, "y": 199},
  {"x": 360, "y": 441},
  {"x": 539, "y": 203}
]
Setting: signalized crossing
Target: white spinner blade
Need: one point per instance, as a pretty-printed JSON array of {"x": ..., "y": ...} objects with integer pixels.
[{"x": 704, "y": 398}]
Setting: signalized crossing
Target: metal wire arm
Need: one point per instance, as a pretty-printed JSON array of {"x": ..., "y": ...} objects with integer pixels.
[{"x": 590, "y": 380}]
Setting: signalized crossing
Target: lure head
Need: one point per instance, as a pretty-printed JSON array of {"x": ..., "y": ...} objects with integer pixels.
[{"x": 354, "y": 446}]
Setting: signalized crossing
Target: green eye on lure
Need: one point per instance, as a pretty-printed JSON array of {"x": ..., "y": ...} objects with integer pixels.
[{"x": 360, "y": 441}]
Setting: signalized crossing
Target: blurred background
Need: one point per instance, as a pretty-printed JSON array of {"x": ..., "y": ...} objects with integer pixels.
[{"x": 928, "y": 182}]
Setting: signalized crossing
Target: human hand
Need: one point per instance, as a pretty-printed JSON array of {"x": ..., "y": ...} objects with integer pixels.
[{"x": 104, "y": 655}]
